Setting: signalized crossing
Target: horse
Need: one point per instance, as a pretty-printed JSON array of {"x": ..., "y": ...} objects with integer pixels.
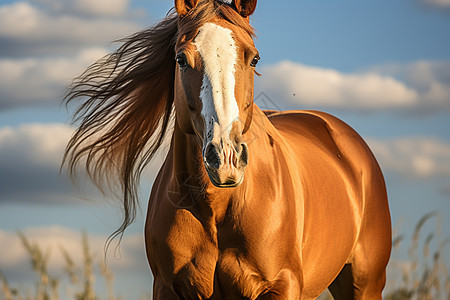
[{"x": 248, "y": 204}]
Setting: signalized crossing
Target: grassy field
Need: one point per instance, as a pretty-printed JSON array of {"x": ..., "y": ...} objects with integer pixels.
[{"x": 421, "y": 274}]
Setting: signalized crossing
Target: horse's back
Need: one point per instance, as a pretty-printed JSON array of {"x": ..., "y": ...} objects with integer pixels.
[{"x": 343, "y": 189}]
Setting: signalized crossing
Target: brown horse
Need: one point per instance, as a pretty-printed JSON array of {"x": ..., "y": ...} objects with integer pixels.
[{"x": 248, "y": 204}]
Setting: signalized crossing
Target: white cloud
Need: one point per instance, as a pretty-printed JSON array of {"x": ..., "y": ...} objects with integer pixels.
[
  {"x": 38, "y": 144},
  {"x": 109, "y": 8},
  {"x": 32, "y": 81},
  {"x": 424, "y": 85},
  {"x": 30, "y": 157},
  {"x": 437, "y": 3},
  {"x": 47, "y": 43},
  {"x": 102, "y": 7},
  {"x": 429, "y": 79},
  {"x": 413, "y": 157},
  {"x": 28, "y": 29}
]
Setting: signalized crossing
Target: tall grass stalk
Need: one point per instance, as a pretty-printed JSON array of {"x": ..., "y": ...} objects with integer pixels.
[
  {"x": 5, "y": 288},
  {"x": 424, "y": 277},
  {"x": 48, "y": 287}
]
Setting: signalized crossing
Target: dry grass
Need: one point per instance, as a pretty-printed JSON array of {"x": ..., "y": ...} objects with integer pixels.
[
  {"x": 423, "y": 275},
  {"x": 80, "y": 279}
]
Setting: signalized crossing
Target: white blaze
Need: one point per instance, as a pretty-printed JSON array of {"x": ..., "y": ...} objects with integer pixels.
[{"x": 218, "y": 51}]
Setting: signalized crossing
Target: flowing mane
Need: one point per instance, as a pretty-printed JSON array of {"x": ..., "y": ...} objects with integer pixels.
[{"x": 127, "y": 105}]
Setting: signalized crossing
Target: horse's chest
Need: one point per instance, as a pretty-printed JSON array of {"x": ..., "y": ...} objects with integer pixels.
[
  {"x": 231, "y": 276},
  {"x": 227, "y": 260},
  {"x": 239, "y": 278},
  {"x": 202, "y": 270}
]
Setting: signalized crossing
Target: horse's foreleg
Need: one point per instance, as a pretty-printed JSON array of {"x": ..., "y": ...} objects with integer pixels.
[
  {"x": 369, "y": 285},
  {"x": 162, "y": 292},
  {"x": 369, "y": 269},
  {"x": 285, "y": 286}
]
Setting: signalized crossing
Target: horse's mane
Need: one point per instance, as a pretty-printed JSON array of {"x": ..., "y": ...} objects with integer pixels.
[{"x": 127, "y": 104}]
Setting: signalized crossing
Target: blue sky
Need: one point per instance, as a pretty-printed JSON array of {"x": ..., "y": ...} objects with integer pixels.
[{"x": 382, "y": 66}]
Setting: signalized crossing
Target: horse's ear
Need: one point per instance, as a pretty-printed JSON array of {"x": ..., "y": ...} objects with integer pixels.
[
  {"x": 184, "y": 6},
  {"x": 245, "y": 7}
]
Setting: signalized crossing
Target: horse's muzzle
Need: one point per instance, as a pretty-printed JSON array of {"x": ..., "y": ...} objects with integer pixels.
[{"x": 225, "y": 163}]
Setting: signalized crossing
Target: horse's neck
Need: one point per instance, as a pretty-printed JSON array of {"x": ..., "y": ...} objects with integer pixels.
[
  {"x": 187, "y": 154},
  {"x": 191, "y": 178}
]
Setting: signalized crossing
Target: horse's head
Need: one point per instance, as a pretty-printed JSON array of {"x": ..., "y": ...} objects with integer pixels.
[{"x": 216, "y": 60}]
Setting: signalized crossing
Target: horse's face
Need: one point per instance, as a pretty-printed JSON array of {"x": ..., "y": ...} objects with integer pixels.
[{"x": 214, "y": 95}]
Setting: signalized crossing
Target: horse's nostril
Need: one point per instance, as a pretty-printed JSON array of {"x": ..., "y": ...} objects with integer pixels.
[
  {"x": 212, "y": 156},
  {"x": 244, "y": 154}
]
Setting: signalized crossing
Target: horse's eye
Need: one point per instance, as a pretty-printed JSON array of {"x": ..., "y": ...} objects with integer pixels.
[
  {"x": 181, "y": 60},
  {"x": 255, "y": 60}
]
